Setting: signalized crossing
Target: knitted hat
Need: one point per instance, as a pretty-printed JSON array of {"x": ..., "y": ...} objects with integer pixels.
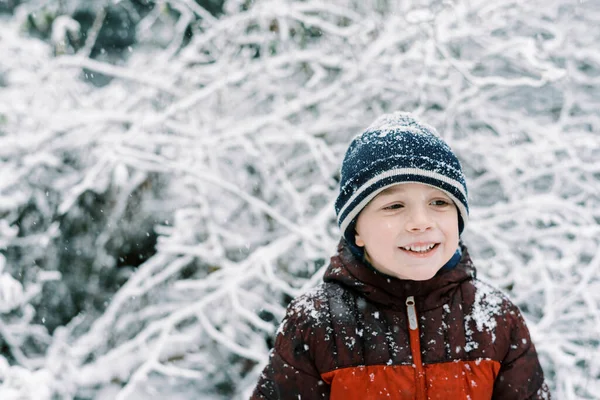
[{"x": 397, "y": 148}]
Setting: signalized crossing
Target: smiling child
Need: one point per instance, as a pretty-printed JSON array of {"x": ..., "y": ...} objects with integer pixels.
[{"x": 401, "y": 314}]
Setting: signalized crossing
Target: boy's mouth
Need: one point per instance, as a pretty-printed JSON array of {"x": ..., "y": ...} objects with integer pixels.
[{"x": 420, "y": 249}]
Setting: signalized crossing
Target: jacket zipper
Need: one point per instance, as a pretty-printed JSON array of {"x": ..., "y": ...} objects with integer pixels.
[{"x": 415, "y": 347}]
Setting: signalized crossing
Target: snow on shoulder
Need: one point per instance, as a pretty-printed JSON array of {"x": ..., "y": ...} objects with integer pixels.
[
  {"x": 307, "y": 303},
  {"x": 488, "y": 305},
  {"x": 306, "y": 307}
]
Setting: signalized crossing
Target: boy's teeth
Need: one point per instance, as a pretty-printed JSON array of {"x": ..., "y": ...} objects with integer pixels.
[{"x": 419, "y": 249}]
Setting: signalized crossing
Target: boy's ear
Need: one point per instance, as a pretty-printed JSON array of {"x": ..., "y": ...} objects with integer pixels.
[{"x": 357, "y": 239}]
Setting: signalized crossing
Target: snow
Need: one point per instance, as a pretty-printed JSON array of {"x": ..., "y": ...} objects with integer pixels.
[
  {"x": 389, "y": 123},
  {"x": 226, "y": 151},
  {"x": 486, "y": 308},
  {"x": 305, "y": 305}
]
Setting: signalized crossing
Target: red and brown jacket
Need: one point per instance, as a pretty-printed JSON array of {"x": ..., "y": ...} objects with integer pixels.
[{"x": 364, "y": 335}]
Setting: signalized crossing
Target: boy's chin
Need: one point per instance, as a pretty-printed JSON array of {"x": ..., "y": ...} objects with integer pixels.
[
  {"x": 419, "y": 275},
  {"x": 412, "y": 273},
  {"x": 421, "y": 278}
]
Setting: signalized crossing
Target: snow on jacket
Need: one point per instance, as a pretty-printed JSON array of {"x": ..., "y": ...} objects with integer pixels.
[{"x": 364, "y": 335}]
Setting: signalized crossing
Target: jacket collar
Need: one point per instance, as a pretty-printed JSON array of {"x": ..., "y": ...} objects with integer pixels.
[{"x": 348, "y": 270}]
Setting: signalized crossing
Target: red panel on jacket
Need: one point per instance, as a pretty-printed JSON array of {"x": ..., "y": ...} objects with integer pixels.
[{"x": 455, "y": 380}]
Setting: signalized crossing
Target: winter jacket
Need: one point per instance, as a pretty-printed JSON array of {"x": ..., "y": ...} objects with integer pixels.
[{"x": 364, "y": 335}]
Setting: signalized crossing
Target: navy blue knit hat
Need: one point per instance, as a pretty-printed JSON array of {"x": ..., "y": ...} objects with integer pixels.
[{"x": 397, "y": 148}]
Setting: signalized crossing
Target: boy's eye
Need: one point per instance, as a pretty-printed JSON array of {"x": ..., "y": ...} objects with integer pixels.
[
  {"x": 440, "y": 203},
  {"x": 394, "y": 206}
]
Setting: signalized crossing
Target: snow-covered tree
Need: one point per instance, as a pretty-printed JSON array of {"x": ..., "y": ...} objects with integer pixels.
[{"x": 155, "y": 223}]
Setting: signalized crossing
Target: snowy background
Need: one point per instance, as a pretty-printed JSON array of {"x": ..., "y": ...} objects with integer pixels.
[{"x": 168, "y": 172}]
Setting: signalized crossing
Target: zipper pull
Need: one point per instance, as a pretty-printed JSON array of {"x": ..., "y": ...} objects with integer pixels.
[
  {"x": 415, "y": 349},
  {"x": 412, "y": 313}
]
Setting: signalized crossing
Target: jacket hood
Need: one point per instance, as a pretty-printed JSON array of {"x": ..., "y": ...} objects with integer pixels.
[{"x": 347, "y": 269}]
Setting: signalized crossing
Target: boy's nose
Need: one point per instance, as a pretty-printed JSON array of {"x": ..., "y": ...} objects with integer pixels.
[{"x": 419, "y": 221}]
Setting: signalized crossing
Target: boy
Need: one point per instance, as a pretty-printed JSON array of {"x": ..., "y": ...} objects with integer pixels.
[{"x": 400, "y": 314}]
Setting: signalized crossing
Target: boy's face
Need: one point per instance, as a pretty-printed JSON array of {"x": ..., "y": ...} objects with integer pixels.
[{"x": 408, "y": 231}]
